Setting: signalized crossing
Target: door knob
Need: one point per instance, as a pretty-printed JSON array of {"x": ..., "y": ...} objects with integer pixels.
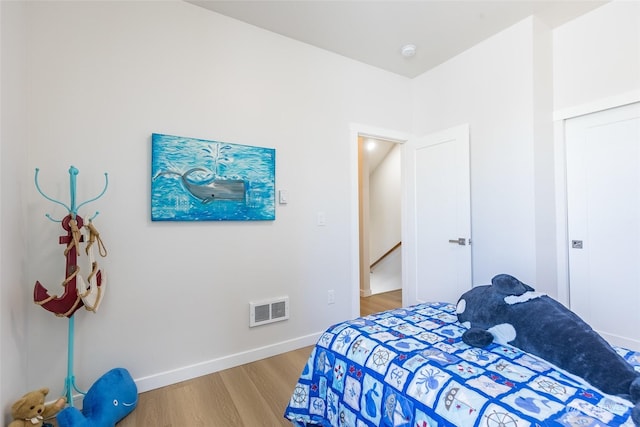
[{"x": 460, "y": 241}]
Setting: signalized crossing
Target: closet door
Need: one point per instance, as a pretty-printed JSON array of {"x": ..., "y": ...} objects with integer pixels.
[{"x": 603, "y": 196}]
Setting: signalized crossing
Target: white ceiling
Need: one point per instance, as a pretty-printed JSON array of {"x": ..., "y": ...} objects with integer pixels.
[{"x": 373, "y": 32}]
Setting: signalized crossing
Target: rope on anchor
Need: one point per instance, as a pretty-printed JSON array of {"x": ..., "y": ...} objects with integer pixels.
[
  {"x": 75, "y": 237},
  {"x": 73, "y": 242},
  {"x": 76, "y": 270},
  {"x": 94, "y": 236},
  {"x": 94, "y": 271},
  {"x": 71, "y": 310}
]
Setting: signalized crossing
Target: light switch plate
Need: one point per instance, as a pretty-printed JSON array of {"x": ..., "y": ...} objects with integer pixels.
[{"x": 283, "y": 197}]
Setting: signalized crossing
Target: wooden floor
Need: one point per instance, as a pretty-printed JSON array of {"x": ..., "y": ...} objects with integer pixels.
[
  {"x": 380, "y": 302},
  {"x": 255, "y": 394}
]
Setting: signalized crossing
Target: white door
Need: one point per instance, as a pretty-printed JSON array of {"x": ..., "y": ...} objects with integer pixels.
[
  {"x": 603, "y": 202},
  {"x": 436, "y": 238}
]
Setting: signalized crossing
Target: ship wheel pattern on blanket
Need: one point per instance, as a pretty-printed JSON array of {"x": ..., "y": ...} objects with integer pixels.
[{"x": 76, "y": 293}]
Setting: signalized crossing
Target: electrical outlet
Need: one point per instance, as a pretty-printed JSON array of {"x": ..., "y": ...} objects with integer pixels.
[{"x": 331, "y": 297}]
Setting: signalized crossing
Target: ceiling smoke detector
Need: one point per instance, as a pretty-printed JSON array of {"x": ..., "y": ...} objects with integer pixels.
[{"x": 408, "y": 50}]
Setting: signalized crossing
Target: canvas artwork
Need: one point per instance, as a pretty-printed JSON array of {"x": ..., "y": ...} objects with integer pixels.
[{"x": 201, "y": 180}]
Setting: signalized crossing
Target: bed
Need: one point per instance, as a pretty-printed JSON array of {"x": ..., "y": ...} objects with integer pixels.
[{"x": 409, "y": 367}]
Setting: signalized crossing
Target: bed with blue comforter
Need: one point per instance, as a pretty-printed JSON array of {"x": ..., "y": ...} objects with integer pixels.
[{"x": 409, "y": 367}]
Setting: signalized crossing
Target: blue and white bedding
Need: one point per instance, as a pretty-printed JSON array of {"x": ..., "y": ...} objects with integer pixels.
[{"x": 409, "y": 367}]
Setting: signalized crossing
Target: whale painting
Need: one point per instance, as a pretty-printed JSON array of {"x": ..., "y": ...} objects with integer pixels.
[{"x": 201, "y": 180}]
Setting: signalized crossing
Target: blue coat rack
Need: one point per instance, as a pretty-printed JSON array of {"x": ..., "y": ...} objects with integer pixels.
[{"x": 70, "y": 301}]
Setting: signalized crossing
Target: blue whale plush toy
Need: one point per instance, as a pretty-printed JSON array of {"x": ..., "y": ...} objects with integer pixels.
[
  {"x": 510, "y": 312},
  {"x": 111, "y": 398}
]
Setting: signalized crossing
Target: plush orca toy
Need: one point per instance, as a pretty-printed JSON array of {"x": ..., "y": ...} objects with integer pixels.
[{"x": 508, "y": 311}]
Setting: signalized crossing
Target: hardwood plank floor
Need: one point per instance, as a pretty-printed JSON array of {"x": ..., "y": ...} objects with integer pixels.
[
  {"x": 380, "y": 302},
  {"x": 255, "y": 394}
]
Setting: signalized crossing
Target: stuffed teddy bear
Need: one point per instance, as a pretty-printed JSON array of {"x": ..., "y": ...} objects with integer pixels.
[
  {"x": 30, "y": 410},
  {"x": 510, "y": 312},
  {"x": 111, "y": 398}
]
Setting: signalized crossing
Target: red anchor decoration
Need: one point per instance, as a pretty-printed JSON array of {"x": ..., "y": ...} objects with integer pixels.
[
  {"x": 76, "y": 294},
  {"x": 69, "y": 301}
]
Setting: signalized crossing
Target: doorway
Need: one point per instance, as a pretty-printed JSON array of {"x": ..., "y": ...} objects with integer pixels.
[
  {"x": 361, "y": 259},
  {"x": 435, "y": 215},
  {"x": 380, "y": 188}
]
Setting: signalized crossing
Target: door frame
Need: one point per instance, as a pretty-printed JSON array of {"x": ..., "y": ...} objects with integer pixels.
[
  {"x": 360, "y": 130},
  {"x": 560, "y": 169}
]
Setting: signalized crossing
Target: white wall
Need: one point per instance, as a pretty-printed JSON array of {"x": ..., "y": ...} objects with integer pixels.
[
  {"x": 384, "y": 204},
  {"x": 543, "y": 160},
  {"x": 13, "y": 241},
  {"x": 385, "y": 224},
  {"x": 491, "y": 87},
  {"x": 102, "y": 77},
  {"x": 597, "y": 57}
]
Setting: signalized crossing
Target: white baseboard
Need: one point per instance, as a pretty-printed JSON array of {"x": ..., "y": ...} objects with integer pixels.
[{"x": 174, "y": 376}]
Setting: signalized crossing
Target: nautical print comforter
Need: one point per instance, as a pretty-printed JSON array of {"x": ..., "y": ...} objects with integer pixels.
[{"x": 409, "y": 367}]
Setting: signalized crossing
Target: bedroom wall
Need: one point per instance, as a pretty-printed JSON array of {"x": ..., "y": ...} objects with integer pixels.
[
  {"x": 13, "y": 130},
  {"x": 491, "y": 87},
  {"x": 102, "y": 77},
  {"x": 591, "y": 66}
]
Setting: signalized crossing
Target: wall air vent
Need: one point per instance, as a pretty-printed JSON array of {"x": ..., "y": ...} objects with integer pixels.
[{"x": 268, "y": 311}]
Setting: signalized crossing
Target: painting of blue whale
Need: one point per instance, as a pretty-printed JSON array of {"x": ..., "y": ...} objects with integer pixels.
[{"x": 202, "y": 180}]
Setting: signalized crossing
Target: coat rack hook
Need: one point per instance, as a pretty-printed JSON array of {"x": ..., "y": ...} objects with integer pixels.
[
  {"x": 94, "y": 216},
  {"x": 106, "y": 184},
  {"x": 52, "y": 219},
  {"x": 72, "y": 209}
]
